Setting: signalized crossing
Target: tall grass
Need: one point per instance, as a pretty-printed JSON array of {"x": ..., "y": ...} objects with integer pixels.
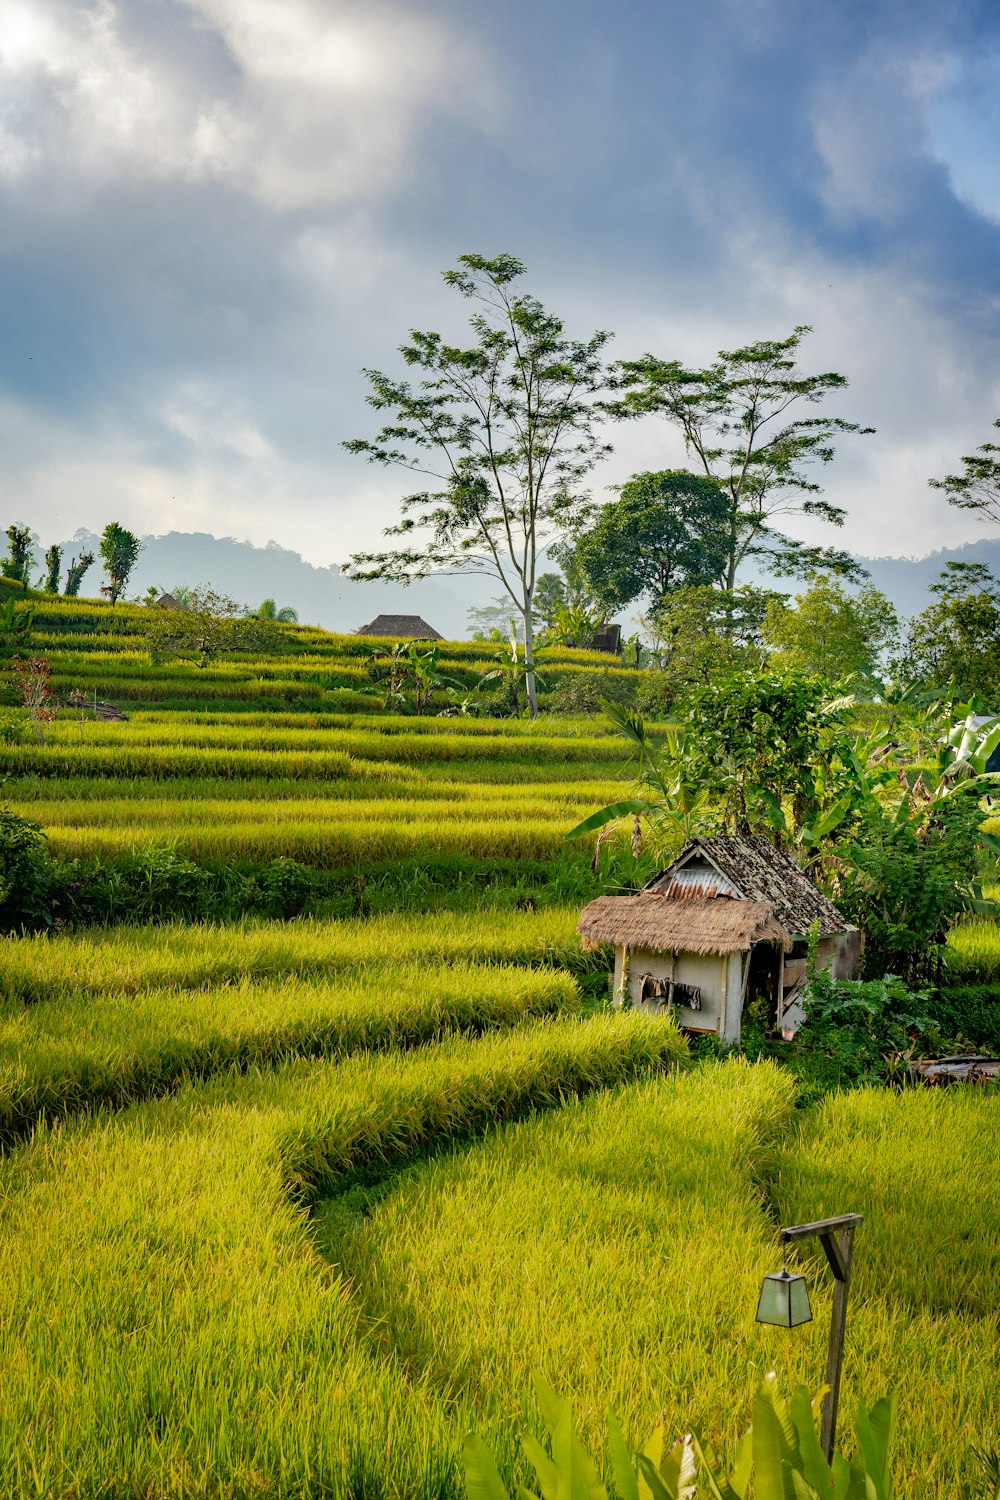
[
  {"x": 618, "y": 1246},
  {"x": 165, "y": 1325},
  {"x": 127, "y": 961},
  {"x": 924, "y": 1169},
  {"x": 111, "y": 1049}
]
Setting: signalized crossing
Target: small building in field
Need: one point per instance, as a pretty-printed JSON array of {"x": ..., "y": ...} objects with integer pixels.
[
  {"x": 726, "y": 924},
  {"x": 607, "y": 638},
  {"x": 400, "y": 627},
  {"x": 167, "y": 601}
]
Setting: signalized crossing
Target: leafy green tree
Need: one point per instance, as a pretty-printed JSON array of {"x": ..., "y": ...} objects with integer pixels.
[
  {"x": 831, "y": 632},
  {"x": 506, "y": 429},
  {"x": 75, "y": 573},
  {"x": 53, "y": 566},
  {"x": 699, "y": 633},
  {"x": 17, "y": 563},
  {"x": 269, "y": 610},
  {"x": 550, "y": 597},
  {"x": 119, "y": 552},
  {"x": 665, "y": 529},
  {"x": 978, "y": 485},
  {"x": 734, "y": 419},
  {"x": 956, "y": 640},
  {"x": 908, "y": 872},
  {"x": 210, "y": 625}
]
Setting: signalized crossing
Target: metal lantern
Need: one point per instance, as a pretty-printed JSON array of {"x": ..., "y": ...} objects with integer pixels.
[{"x": 784, "y": 1300}]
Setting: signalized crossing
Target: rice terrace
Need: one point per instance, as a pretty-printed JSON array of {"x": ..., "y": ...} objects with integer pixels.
[
  {"x": 323, "y": 1138},
  {"x": 499, "y": 758}
]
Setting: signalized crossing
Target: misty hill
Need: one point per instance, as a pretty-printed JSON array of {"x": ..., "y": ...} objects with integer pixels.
[{"x": 323, "y": 596}]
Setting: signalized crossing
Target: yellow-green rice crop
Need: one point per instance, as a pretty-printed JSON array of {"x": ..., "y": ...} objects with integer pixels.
[
  {"x": 166, "y": 1326},
  {"x": 61, "y": 1055},
  {"x": 129, "y": 960},
  {"x": 924, "y": 1169}
]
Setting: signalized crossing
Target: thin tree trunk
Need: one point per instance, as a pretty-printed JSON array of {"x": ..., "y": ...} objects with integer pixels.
[{"x": 529, "y": 658}]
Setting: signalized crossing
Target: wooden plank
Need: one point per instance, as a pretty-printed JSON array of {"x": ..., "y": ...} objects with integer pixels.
[{"x": 791, "y": 1232}]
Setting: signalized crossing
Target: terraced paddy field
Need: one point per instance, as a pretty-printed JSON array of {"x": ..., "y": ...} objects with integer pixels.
[{"x": 286, "y": 1206}]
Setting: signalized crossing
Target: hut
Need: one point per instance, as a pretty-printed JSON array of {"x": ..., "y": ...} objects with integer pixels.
[
  {"x": 400, "y": 627},
  {"x": 728, "y": 922}
]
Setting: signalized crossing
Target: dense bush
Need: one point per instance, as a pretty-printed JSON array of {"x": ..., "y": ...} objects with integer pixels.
[
  {"x": 904, "y": 882},
  {"x": 25, "y": 874},
  {"x": 971, "y": 1011}
]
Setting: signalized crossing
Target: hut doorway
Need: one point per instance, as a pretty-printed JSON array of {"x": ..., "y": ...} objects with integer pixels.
[{"x": 763, "y": 980}]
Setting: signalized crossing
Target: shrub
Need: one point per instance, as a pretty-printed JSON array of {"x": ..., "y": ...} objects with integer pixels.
[
  {"x": 587, "y": 692},
  {"x": 25, "y": 874}
]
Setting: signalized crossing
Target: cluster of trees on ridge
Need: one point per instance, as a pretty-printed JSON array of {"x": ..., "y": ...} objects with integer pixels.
[{"x": 501, "y": 435}]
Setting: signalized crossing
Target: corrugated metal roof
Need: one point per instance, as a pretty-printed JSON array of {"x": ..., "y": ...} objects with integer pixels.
[{"x": 754, "y": 869}]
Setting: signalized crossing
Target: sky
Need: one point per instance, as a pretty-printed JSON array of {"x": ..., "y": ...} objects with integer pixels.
[{"x": 214, "y": 213}]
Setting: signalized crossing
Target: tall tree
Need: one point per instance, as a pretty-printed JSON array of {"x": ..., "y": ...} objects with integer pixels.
[
  {"x": 830, "y": 631},
  {"x": 74, "y": 573},
  {"x": 17, "y": 563},
  {"x": 665, "y": 529},
  {"x": 53, "y": 565},
  {"x": 734, "y": 419},
  {"x": 119, "y": 551},
  {"x": 978, "y": 485},
  {"x": 957, "y": 638},
  {"x": 506, "y": 428}
]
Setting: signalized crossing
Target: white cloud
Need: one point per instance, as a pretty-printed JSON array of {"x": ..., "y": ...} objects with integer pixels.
[{"x": 300, "y": 104}]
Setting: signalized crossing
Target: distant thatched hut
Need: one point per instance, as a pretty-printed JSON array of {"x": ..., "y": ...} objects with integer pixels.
[
  {"x": 727, "y": 922},
  {"x": 400, "y": 627}
]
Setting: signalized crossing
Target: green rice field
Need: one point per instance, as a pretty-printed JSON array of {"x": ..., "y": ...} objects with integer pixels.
[{"x": 287, "y": 1206}]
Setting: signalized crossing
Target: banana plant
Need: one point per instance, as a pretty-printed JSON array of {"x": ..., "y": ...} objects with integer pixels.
[
  {"x": 676, "y": 807},
  {"x": 780, "y": 1454}
]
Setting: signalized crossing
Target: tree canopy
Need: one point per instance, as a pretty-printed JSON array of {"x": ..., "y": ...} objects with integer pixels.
[
  {"x": 956, "y": 640},
  {"x": 734, "y": 418},
  {"x": 830, "y": 631},
  {"x": 505, "y": 428},
  {"x": 665, "y": 529},
  {"x": 119, "y": 551},
  {"x": 978, "y": 485}
]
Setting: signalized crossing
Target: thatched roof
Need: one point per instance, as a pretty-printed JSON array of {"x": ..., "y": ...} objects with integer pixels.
[
  {"x": 401, "y": 627},
  {"x": 756, "y": 870},
  {"x": 713, "y": 924}
]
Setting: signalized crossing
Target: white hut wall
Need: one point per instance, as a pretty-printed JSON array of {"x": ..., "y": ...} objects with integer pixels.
[{"x": 714, "y": 975}]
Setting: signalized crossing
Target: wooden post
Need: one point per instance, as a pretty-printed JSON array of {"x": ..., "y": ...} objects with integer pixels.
[
  {"x": 837, "y": 1238},
  {"x": 838, "y": 1247}
]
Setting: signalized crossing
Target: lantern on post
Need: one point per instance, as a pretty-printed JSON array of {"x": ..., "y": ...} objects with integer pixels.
[{"x": 784, "y": 1301}]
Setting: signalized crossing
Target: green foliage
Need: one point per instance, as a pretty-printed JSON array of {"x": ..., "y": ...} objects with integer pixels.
[
  {"x": 733, "y": 418},
  {"x": 75, "y": 573},
  {"x": 768, "y": 741},
  {"x": 665, "y": 530},
  {"x": 210, "y": 625},
  {"x": 781, "y": 1454},
  {"x": 17, "y": 564},
  {"x": 16, "y": 624},
  {"x": 978, "y": 485},
  {"x": 700, "y": 633},
  {"x": 25, "y": 902},
  {"x": 53, "y": 567},
  {"x": 119, "y": 551},
  {"x": 269, "y": 610},
  {"x": 905, "y": 876},
  {"x": 956, "y": 640},
  {"x": 831, "y": 632},
  {"x": 507, "y": 427},
  {"x": 588, "y": 692}
]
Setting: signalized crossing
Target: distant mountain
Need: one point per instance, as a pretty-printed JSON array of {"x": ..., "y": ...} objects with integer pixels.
[
  {"x": 906, "y": 579},
  {"x": 323, "y": 596}
]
